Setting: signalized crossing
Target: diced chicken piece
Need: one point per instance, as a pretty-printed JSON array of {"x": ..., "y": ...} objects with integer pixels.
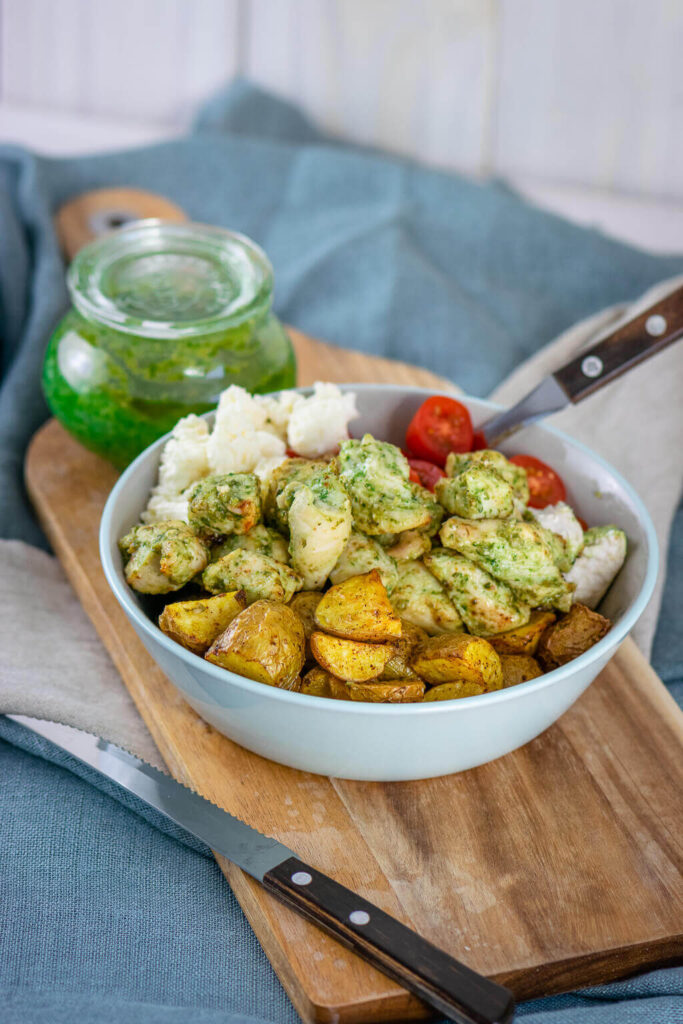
[
  {"x": 361, "y": 554},
  {"x": 476, "y": 492},
  {"x": 486, "y": 605},
  {"x": 162, "y": 557},
  {"x": 225, "y": 503},
  {"x": 419, "y": 598},
  {"x": 262, "y": 539},
  {"x": 261, "y": 577},
  {"x": 319, "y": 521},
  {"x": 383, "y": 500},
  {"x": 515, "y": 552}
]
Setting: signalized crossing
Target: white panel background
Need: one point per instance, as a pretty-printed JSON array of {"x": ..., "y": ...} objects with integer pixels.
[{"x": 568, "y": 92}]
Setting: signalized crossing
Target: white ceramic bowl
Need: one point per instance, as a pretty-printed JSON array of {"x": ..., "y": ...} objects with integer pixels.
[{"x": 385, "y": 742}]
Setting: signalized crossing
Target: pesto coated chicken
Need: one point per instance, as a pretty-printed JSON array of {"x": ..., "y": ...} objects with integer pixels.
[
  {"x": 264, "y": 540},
  {"x": 419, "y": 598},
  {"x": 491, "y": 493},
  {"x": 362, "y": 554},
  {"x": 485, "y": 605},
  {"x": 376, "y": 475},
  {"x": 261, "y": 577},
  {"x": 162, "y": 557},
  {"x": 517, "y": 553},
  {"x": 319, "y": 521},
  {"x": 224, "y": 504}
]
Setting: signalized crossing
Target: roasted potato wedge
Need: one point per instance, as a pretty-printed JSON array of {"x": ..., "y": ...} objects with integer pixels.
[
  {"x": 196, "y": 624},
  {"x": 399, "y": 691},
  {"x": 304, "y": 604},
  {"x": 573, "y": 634},
  {"x": 358, "y": 609},
  {"x": 266, "y": 642},
  {"x": 519, "y": 668},
  {"x": 319, "y": 683},
  {"x": 398, "y": 666},
  {"x": 458, "y": 658},
  {"x": 453, "y": 691},
  {"x": 523, "y": 639},
  {"x": 350, "y": 660}
]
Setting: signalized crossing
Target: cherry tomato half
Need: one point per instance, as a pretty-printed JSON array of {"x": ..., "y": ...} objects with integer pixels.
[
  {"x": 424, "y": 473},
  {"x": 479, "y": 441},
  {"x": 441, "y": 425},
  {"x": 545, "y": 485}
]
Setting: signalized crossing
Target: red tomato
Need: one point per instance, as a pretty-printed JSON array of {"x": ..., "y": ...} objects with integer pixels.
[
  {"x": 545, "y": 486},
  {"x": 424, "y": 473},
  {"x": 584, "y": 524},
  {"x": 441, "y": 425},
  {"x": 479, "y": 441}
]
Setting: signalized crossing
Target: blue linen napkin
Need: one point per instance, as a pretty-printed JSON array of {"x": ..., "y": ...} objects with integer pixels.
[{"x": 107, "y": 914}]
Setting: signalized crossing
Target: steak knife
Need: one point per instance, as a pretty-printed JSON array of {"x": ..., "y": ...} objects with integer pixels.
[
  {"x": 629, "y": 344},
  {"x": 434, "y": 976}
]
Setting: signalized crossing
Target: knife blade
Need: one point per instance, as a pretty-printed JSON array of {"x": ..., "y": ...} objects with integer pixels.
[
  {"x": 630, "y": 343},
  {"x": 432, "y": 974}
]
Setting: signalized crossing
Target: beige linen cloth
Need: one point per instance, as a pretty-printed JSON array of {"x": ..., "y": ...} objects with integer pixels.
[{"x": 53, "y": 666}]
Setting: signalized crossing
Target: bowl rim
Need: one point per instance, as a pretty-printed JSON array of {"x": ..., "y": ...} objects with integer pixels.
[{"x": 611, "y": 640}]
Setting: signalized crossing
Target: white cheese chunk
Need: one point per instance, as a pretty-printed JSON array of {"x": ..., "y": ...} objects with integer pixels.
[
  {"x": 598, "y": 564},
  {"x": 184, "y": 460},
  {"x": 320, "y": 422},
  {"x": 560, "y": 519}
]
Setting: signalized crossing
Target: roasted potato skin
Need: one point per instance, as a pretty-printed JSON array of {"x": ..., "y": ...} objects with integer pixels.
[
  {"x": 196, "y": 624},
  {"x": 266, "y": 642},
  {"x": 458, "y": 658},
  {"x": 319, "y": 683},
  {"x": 523, "y": 639},
  {"x": 453, "y": 691},
  {"x": 398, "y": 666},
  {"x": 304, "y": 604},
  {"x": 572, "y": 635},
  {"x": 519, "y": 668},
  {"x": 399, "y": 691},
  {"x": 350, "y": 660},
  {"x": 358, "y": 609}
]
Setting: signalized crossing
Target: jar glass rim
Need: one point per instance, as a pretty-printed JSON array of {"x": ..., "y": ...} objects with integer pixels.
[{"x": 166, "y": 280}]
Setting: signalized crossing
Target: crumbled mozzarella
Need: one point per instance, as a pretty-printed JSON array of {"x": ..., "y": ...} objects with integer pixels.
[
  {"x": 596, "y": 567},
  {"x": 241, "y": 453},
  {"x": 183, "y": 461},
  {"x": 278, "y": 411},
  {"x": 266, "y": 467},
  {"x": 240, "y": 438},
  {"x": 320, "y": 422},
  {"x": 560, "y": 519}
]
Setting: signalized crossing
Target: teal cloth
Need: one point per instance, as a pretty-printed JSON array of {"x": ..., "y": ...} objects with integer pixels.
[{"x": 107, "y": 914}]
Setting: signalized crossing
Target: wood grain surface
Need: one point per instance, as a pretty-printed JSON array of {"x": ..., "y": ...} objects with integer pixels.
[{"x": 555, "y": 867}]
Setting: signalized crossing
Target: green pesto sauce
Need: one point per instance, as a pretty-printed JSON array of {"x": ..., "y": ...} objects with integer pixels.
[{"x": 118, "y": 392}]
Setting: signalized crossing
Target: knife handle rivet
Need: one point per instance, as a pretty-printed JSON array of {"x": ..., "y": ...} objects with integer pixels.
[
  {"x": 655, "y": 325},
  {"x": 359, "y": 917},
  {"x": 591, "y": 366},
  {"x": 302, "y": 878}
]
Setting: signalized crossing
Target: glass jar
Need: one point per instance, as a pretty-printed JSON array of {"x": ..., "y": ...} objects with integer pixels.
[{"x": 165, "y": 316}]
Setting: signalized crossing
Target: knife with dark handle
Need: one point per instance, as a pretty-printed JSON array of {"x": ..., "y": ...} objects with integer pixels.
[
  {"x": 436, "y": 977},
  {"x": 629, "y": 344}
]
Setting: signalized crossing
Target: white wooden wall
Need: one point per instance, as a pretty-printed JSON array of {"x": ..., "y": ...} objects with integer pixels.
[{"x": 586, "y": 92}]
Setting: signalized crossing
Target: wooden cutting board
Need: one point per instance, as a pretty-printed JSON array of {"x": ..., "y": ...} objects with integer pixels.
[{"x": 555, "y": 867}]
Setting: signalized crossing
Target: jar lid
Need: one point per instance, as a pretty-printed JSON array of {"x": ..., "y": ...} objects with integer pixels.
[{"x": 164, "y": 280}]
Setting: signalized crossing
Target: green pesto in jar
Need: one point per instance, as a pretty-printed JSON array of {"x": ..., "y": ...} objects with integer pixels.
[{"x": 164, "y": 318}]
